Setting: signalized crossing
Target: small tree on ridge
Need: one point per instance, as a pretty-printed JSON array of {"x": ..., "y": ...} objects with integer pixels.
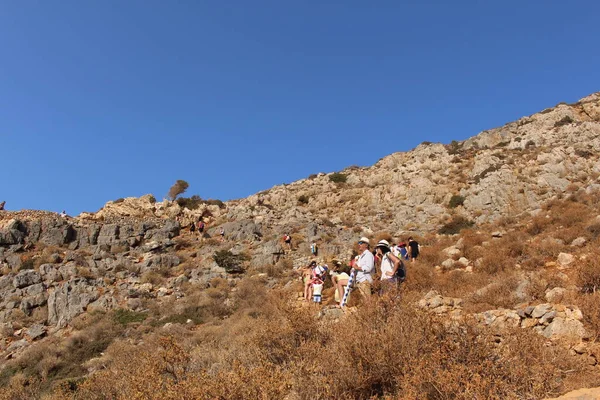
[{"x": 178, "y": 188}]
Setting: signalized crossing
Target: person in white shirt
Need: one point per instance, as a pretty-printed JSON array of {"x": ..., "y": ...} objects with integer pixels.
[
  {"x": 365, "y": 266},
  {"x": 390, "y": 264}
]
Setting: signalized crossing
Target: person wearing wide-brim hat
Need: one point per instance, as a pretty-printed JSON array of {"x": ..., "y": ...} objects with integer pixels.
[
  {"x": 364, "y": 266},
  {"x": 390, "y": 265}
]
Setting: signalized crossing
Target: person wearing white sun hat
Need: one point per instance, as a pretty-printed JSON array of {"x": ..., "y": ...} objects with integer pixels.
[
  {"x": 390, "y": 265},
  {"x": 364, "y": 268}
]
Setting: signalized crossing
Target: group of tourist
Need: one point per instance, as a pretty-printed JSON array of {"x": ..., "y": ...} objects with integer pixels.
[{"x": 361, "y": 270}]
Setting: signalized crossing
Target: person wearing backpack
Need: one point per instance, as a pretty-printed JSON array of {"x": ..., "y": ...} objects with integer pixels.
[
  {"x": 287, "y": 239},
  {"x": 402, "y": 251},
  {"x": 392, "y": 268}
]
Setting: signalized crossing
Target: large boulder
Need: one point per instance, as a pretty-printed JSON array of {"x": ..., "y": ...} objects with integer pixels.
[
  {"x": 70, "y": 299},
  {"x": 109, "y": 234},
  {"x": 26, "y": 278},
  {"x": 565, "y": 328},
  {"x": 56, "y": 232},
  {"x": 169, "y": 230}
]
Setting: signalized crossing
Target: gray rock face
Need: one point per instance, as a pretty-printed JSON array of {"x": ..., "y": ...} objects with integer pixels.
[
  {"x": 26, "y": 278},
  {"x": 109, "y": 234},
  {"x": 160, "y": 261},
  {"x": 168, "y": 231},
  {"x": 239, "y": 230},
  {"x": 69, "y": 300},
  {"x": 569, "y": 329},
  {"x": 50, "y": 273},
  {"x": 36, "y": 331},
  {"x": 56, "y": 232},
  {"x": 11, "y": 236}
]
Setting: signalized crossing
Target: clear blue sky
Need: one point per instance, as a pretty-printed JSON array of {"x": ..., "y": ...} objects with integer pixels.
[{"x": 105, "y": 99}]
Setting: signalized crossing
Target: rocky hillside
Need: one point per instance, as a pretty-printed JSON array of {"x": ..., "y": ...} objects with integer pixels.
[{"x": 529, "y": 190}]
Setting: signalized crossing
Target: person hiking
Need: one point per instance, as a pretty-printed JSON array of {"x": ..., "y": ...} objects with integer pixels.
[
  {"x": 193, "y": 227},
  {"x": 402, "y": 251},
  {"x": 339, "y": 278},
  {"x": 390, "y": 264},
  {"x": 314, "y": 249},
  {"x": 413, "y": 249},
  {"x": 307, "y": 275},
  {"x": 200, "y": 227},
  {"x": 222, "y": 233},
  {"x": 287, "y": 239},
  {"x": 364, "y": 268}
]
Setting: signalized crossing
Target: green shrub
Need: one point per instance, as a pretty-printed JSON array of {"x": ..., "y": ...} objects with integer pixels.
[
  {"x": 338, "y": 177},
  {"x": 453, "y": 148},
  {"x": 456, "y": 200},
  {"x": 27, "y": 264},
  {"x": 303, "y": 199},
  {"x": 566, "y": 120},
  {"x": 231, "y": 262},
  {"x": 485, "y": 172},
  {"x": 191, "y": 203},
  {"x": 455, "y": 226},
  {"x": 215, "y": 202},
  {"x": 584, "y": 153},
  {"x": 124, "y": 317}
]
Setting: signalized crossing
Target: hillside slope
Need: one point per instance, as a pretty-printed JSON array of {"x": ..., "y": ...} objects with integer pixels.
[{"x": 88, "y": 302}]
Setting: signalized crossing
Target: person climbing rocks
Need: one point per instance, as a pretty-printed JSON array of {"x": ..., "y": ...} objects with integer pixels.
[
  {"x": 200, "y": 227},
  {"x": 193, "y": 227},
  {"x": 222, "y": 233}
]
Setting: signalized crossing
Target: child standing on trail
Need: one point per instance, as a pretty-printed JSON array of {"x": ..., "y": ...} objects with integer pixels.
[{"x": 317, "y": 287}]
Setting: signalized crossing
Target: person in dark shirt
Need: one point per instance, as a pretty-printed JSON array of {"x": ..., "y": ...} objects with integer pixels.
[{"x": 413, "y": 249}]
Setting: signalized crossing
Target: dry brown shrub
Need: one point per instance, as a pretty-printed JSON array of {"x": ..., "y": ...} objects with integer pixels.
[
  {"x": 538, "y": 224},
  {"x": 472, "y": 241},
  {"x": 568, "y": 213},
  {"x": 499, "y": 293},
  {"x": 503, "y": 253},
  {"x": 567, "y": 235},
  {"x": 152, "y": 277},
  {"x": 589, "y": 304},
  {"x": 588, "y": 274},
  {"x": 541, "y": 282},
  {"x": 382, "y": 235},
  {"x": 285, "y": 351},
  {"x": 419, "y": 277}
]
